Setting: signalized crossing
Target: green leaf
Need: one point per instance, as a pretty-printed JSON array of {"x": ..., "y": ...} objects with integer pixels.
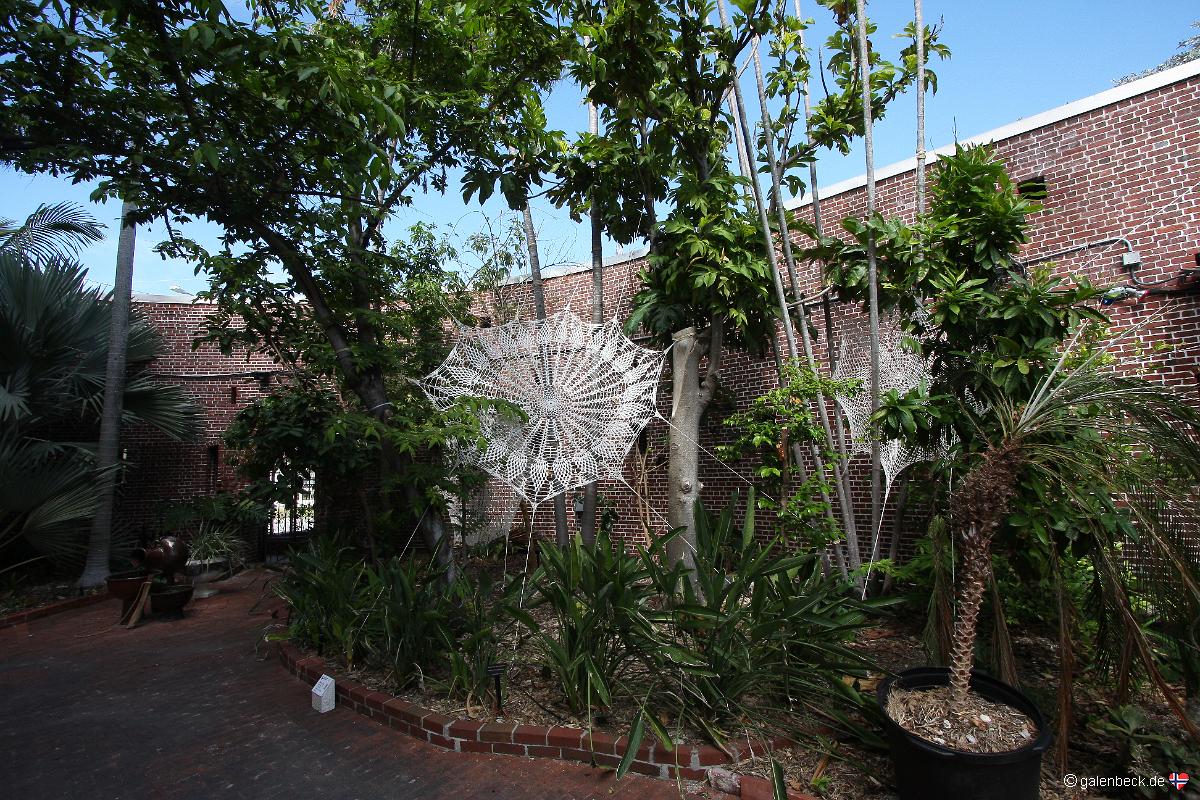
[
  {"x": 635, "y": 741},
  {"x": 748, "y": 524},
  {"x": 778, "y": 784}
]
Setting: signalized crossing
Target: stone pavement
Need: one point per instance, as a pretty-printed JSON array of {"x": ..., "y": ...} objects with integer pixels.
[{"x": 201, "y": 708}]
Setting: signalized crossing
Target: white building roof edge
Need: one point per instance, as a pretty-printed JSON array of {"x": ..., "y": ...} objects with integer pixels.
[
  {"x": 170, "y": 299},
  {"x": 573, "y": 268},
  {"x": 1024, "y": 125}
]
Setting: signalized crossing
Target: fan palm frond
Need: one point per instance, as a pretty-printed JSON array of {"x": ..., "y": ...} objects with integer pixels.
[
  {"x": 165, "y": 407},
  {"x": 53, "y": 358},
  {"x": 51, "y": 231},
  {"x": 54, "y": 351},
  {"x": 43, "y": 487}
]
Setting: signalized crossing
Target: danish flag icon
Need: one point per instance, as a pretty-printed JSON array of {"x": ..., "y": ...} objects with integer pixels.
[{"x": 1178, "y": 780}]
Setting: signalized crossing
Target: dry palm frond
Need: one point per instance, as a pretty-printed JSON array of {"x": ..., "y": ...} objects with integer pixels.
[
  {"x": 939, "y": 629},
  {"x": 1066, "y": 664},
  {"x": 1004, "y": 663}
]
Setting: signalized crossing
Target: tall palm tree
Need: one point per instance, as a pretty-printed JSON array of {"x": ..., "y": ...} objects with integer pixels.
[
  {"x": 54, "y": 335},
  {"x": 109, "y": 446}
]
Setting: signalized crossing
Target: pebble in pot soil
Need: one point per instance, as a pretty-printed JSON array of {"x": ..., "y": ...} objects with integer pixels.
[{"x": 977, "y": 726}]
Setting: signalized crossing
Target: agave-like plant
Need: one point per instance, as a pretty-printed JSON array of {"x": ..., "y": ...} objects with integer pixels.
[
  {"x": 53, "y": 350},
  {"x": 1086, "y": 431}
]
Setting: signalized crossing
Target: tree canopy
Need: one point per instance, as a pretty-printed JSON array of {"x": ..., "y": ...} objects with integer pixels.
[{"x": 299, "y": 128}]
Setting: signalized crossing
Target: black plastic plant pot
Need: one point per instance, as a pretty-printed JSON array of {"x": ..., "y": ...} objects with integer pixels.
[
  {"x": 928, "y": 771},
  {"x": 169, "y": 600}
]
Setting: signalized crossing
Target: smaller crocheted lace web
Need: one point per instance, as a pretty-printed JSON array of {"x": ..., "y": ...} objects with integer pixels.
[
  {"x": 587, "y": 391},
  {"x": 899, "y": 368}
]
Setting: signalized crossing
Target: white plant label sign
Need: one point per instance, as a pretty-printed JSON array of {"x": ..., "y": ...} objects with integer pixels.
[{"x": 324, "y": 695}]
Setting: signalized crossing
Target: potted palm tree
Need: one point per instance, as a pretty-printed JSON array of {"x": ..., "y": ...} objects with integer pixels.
[{"x": 954, "y": 732}]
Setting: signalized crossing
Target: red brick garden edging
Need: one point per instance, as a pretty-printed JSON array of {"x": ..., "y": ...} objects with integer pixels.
[
  {"x": 686, "y": 762},
  {"x": 30, "y": 614}
]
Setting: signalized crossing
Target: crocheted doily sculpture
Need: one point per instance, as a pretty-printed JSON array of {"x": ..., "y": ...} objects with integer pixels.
[
  {"x": 587, "y": 391},
  {"x": 899, "y": 368}
]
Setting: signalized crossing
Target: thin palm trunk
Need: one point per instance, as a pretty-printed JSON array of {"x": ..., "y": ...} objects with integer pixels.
[
  {"x": 812, "y": 166},
  {"x": 562, "y": 534},
  {"x": 864, "y": 66},
  {"x": 841, "y": 482},
  {"x": 745, "y": 148},
  {"x": 814, "y": 193},
  {"x": 108, "y": 451},
  {"x": 920, "y": 25},
  {"x": 587, "y": 525}
]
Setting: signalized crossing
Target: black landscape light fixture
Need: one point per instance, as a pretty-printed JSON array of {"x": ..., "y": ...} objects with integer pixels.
[{"x": 496, "y": 671}]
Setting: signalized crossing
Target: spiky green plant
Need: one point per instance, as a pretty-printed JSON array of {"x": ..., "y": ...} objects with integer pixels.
[
  {"x": 757, "y": 637},
  {"x": 599, "y": 598}
]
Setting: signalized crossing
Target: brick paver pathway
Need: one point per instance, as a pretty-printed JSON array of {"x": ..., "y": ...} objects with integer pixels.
[{"x": 199, "y": 708}]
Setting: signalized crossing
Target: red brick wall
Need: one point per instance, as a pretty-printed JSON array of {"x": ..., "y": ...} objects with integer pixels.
[
  {"x": 1124, "y": 170},
  {"x": 160, "y": 471}
]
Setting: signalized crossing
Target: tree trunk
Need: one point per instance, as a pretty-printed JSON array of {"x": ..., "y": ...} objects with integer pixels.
[
  {"x": 683, "y": 465},
  {"x": 433, "y": 530},
  {"x": 108, "y": 452},
  {"x": 369, "y": 387},
  {"x": 690, "y": 396},
  {"x": 920, "y": 172},
  {"x": 432, "y": 527},
  {"x": 973, "y": 581},
  {"x": 864, "y": 65},
  {"x": 587, "y": 525},
  {"x": 562, "y": 533}
]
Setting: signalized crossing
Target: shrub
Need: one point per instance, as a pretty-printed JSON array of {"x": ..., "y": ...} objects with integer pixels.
[
  {"x": 475, "y": 645},
  {"x": 400, "y": 614},
  {"x": 408, "y": 622},
  {"x": 325, "y": 590},
  {"x": 759, "y": 635},
  {"x": 599, "y": 597}
]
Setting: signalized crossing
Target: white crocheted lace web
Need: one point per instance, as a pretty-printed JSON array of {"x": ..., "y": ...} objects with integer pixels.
[
  {"x": 587, "y": 391},
  {"x": 899, "y": 368}
]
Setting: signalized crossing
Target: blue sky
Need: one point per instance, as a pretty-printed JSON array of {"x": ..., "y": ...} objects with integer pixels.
[{"x": 1011, "y": 60}]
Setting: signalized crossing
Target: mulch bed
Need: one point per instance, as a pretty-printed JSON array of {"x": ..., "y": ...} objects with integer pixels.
[
  {"x": 25, "y": 598},
  {"x": 846, "y": 772},
  {"x": 975, "y": 724}
]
